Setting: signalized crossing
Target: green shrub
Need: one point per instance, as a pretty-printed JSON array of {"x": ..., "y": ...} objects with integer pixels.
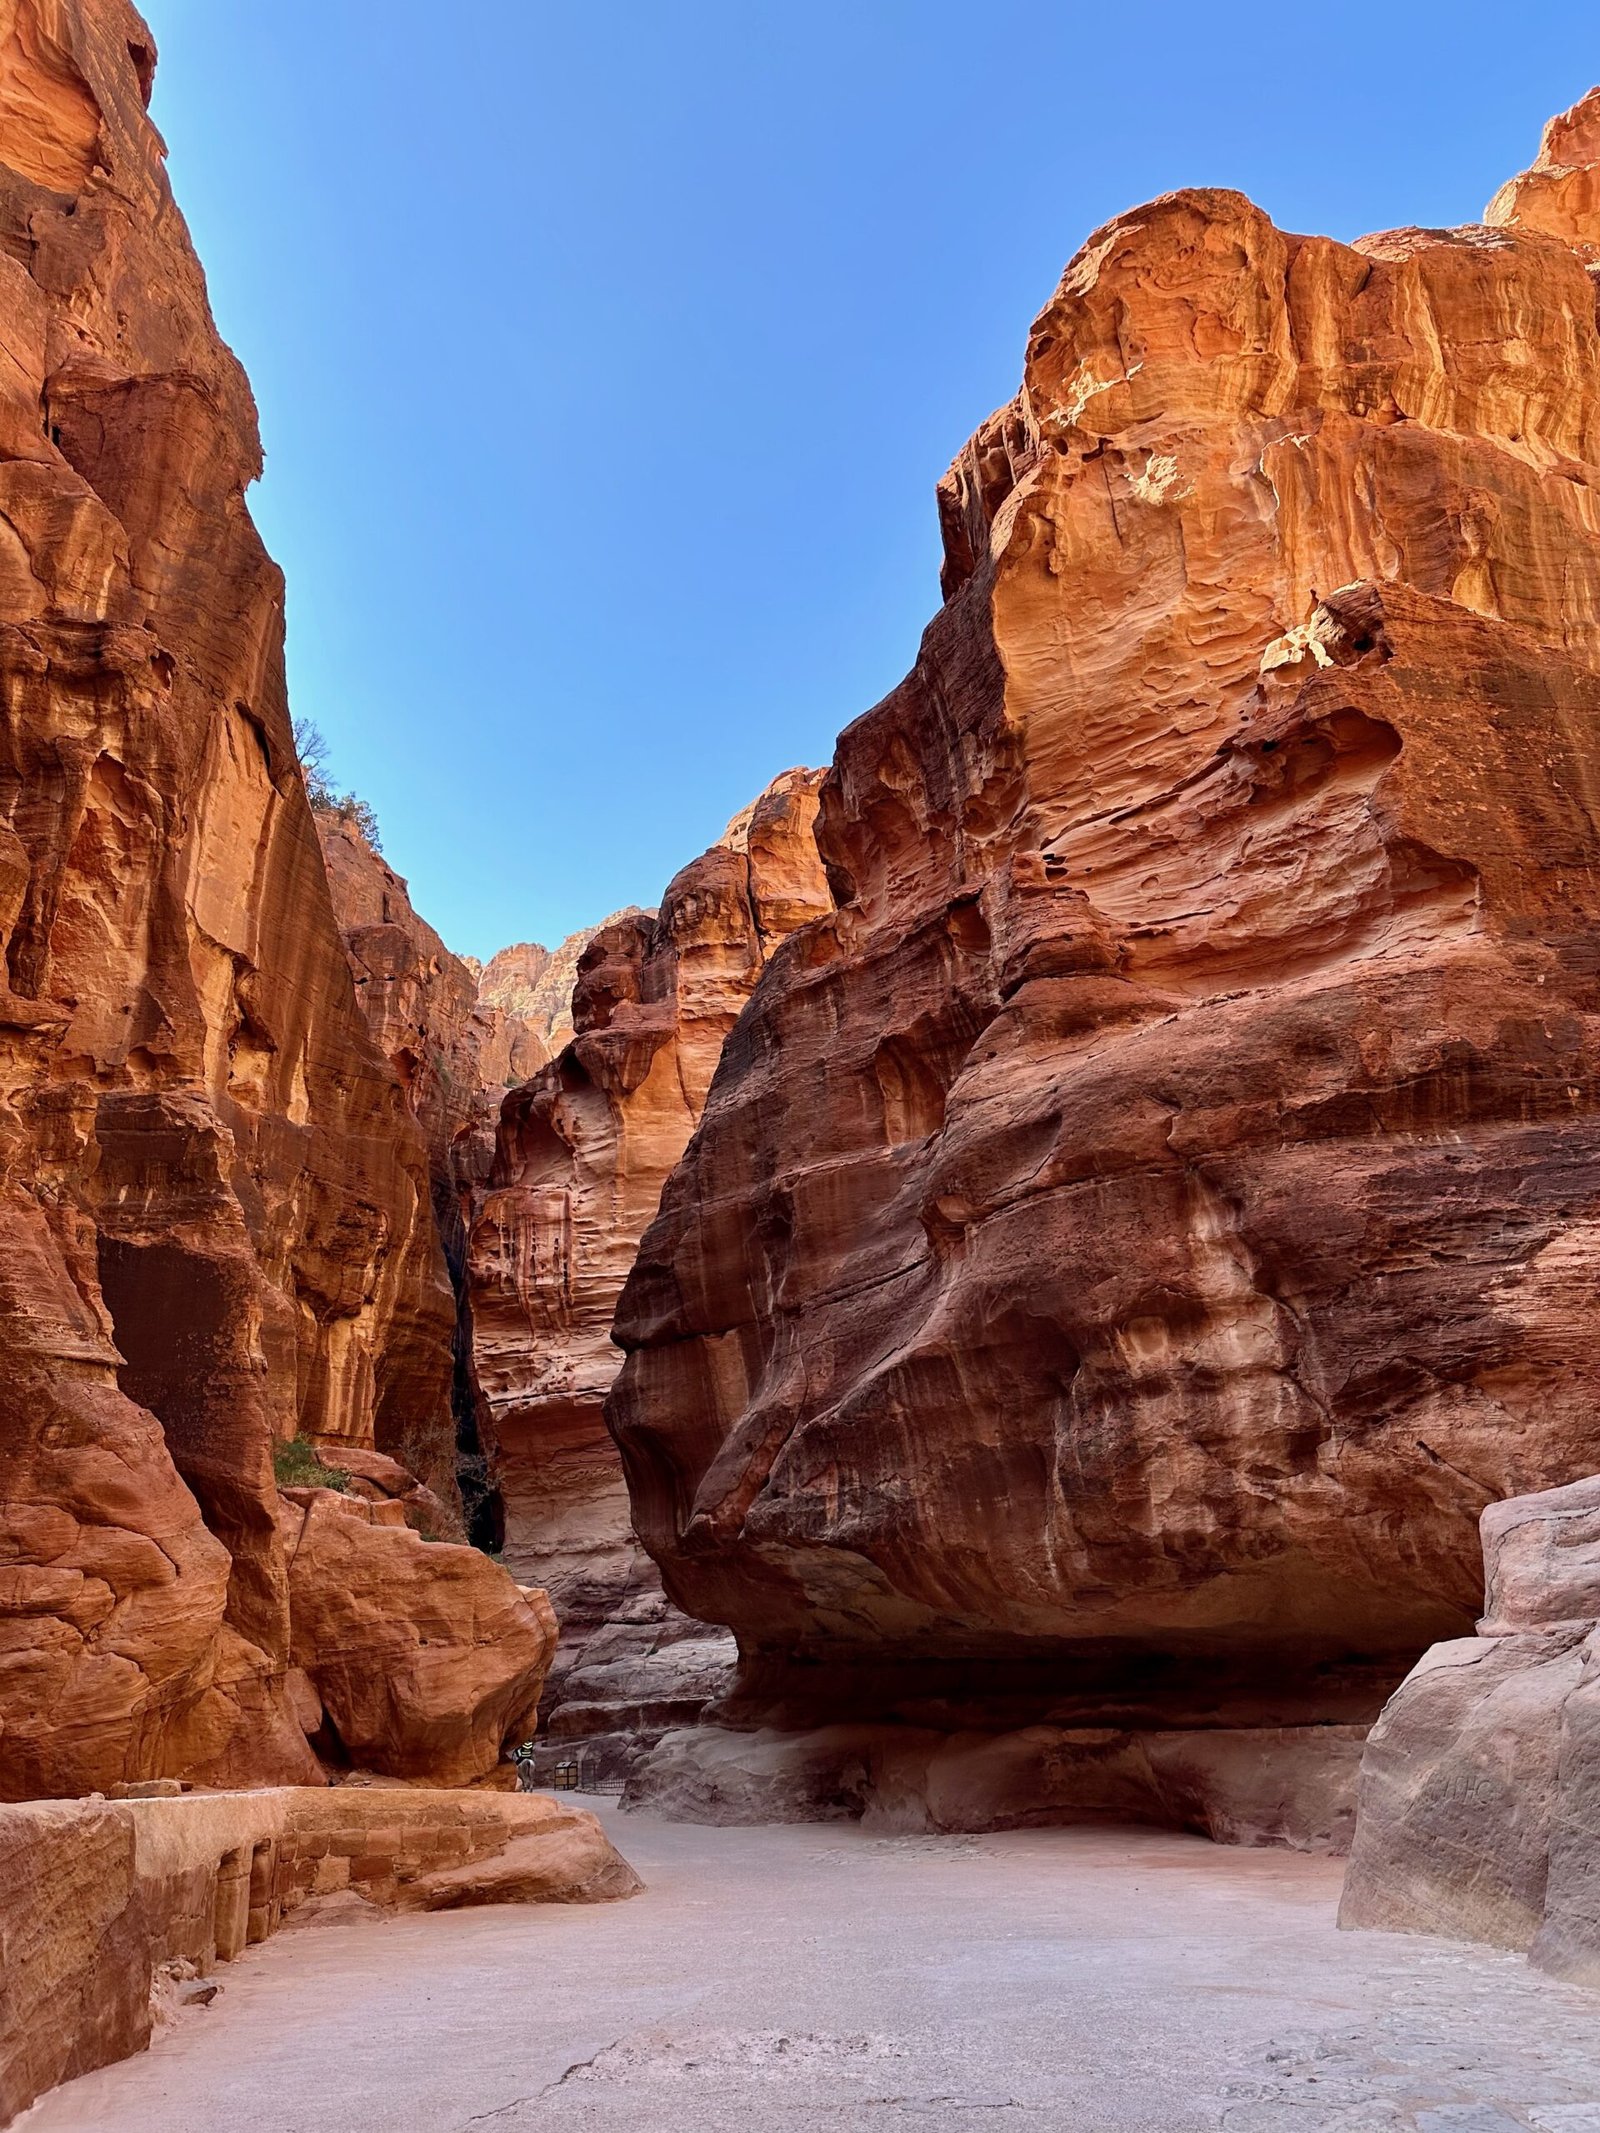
[{"x": 297, "y": 1465}]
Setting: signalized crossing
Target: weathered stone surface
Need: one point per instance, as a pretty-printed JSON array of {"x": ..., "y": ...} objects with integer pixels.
[
  {"x": 1458, "y": 1790},
  {"x": 74, "y": 1971},
  {"x": 454, "y": 1054},
  {"x": 535, "y": 983},
  {"x": 583, "y": 1150},
  {"x": 1129, "y": 1240},
  {"x": 1541, "y": 1560},
  {"x": 575, "y": 1863},
  {"x": 98, "y": 1901},
  {"x": 1294, "y": 1787},
  {"x": 1560, "y": 195},
  {"x": 1479, "y": 1808},
  {"x": 215, "y": 1228},
  {"x": 426, "y": 1658}
]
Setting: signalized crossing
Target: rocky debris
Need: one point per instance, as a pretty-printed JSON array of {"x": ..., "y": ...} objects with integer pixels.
[
  {"x": 573, "y": 1863},
  {"x": 1287, "y": 1786},
  {"x": 109, "y": 1913},
  {"x": 584, "y": 1148},
  {"x": 1131, "y": 1238},
  {"x": 374, "y": 1478},
  {"x": 535, "y": 983},
  {"x": 215, "y": 1223},
  {"x": 1480, "y": 1786}
]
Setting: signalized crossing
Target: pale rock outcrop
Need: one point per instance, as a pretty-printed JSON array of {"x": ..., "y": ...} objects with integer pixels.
[
  {"x": 1479, "y": 1806},
  {"x": 1291, "y": 1786},
  {"x": 535, "y": 983},
  {"x": 1130, "y": 1239},
  {"x": 215, "y": 1229},
  {"x": 583, "y": 1150}
]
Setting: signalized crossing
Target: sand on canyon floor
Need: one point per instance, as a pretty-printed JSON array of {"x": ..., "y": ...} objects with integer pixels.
[{"x": 1045, "y": 1981}]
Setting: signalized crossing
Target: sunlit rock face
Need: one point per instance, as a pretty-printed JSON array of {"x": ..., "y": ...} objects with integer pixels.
[
  {"x": 1130, "y": 1239},
  {"x": 454, "y": 1055},
  {"x": 535, "y": 983},
  {"x": 584, "y": 1148},
  {"x": 215, "y": 1227}
]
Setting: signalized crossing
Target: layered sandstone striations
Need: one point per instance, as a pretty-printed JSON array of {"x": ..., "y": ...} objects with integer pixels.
[
  {"x": 215, "y": 1229},
  {"x": 584, "y": 1148},
  {"x": 454, "y": 1051},
  {"x": 1130, "y": 1239}
]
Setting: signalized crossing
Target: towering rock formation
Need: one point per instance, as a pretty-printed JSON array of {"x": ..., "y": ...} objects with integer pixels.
[
  {"x": 1132, "y": 1237},
  {"x": 535, "y": 983},
  {"x": 215, "y": 1228},
  {"x": 454, "y": 1056},
  {"x": 584, "y": 1149}
]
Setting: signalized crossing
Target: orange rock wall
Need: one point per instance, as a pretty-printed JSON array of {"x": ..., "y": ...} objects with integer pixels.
[
  {"x": 584, "y": 1149},
  {"x": 1130, "y": 1239},
  {"x": 454, "y": 1055},
  {"x": 215, "y": 1227}
]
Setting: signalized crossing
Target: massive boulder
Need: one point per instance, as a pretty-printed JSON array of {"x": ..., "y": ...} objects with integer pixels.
[
  {"x": 215, "y": 1229},
  {"x": 1479, "y": 1800},
  {"x": 583, "y": 1151},
  {"x": 1130, "y": 1239}
]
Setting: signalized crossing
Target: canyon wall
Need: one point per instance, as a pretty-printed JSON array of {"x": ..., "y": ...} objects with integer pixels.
[
  {"x": 454, "y": 1055},
  {"x": 215, "y": 1220},
  {"x": 535, "y": 983},
  {"x": 1130, "y": 1239},
  {"x": 583, "y": 1151}
]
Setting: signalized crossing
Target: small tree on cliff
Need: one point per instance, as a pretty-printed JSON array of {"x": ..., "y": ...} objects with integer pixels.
[{"x": 356, "y": 813}]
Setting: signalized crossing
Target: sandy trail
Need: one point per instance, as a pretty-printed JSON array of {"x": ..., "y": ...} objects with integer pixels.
[{"x": 1052, "y": 1981}]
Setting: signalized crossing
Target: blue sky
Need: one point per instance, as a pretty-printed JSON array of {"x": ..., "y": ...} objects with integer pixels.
[{"x": 607, "y": 355}]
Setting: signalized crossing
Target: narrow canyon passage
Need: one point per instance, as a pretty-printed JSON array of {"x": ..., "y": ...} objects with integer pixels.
[{"x": 1050, "y": 1981}]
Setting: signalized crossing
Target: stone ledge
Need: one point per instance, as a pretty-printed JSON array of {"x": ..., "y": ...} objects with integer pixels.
[{"x": 98, "y": 1899}]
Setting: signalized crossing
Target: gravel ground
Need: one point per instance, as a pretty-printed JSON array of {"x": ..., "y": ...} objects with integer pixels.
[{"x": 773, "y": 1980}]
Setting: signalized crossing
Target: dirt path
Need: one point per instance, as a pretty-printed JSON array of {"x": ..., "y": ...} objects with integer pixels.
[{"x": 775, "y": 1980}]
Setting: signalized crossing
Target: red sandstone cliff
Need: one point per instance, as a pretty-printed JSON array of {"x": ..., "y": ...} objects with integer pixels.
[
  {"x": 535, "y": 983},
  {"x": 584, "y": 1148},
  {"x": 215, "y": 1228},
  {"x": 454, "y": 1055},
  {"x": 1132, "y": 1237}
]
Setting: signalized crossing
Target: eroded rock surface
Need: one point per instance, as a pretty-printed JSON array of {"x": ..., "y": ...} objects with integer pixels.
[
  {"x": 215, "y": 1229},
  {"x": 584, "y": 1148},
  {"x": 535, "y": 983},
  {"x": 1479, "y": 1805},
  {"x": 106, "y": 1910},
  {"x": 1131, "y": 1238},
  {"x": 454, "y": 1054}
]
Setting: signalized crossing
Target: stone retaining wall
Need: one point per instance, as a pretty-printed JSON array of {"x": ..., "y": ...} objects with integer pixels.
[{"x": 100, "y": 1899}]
